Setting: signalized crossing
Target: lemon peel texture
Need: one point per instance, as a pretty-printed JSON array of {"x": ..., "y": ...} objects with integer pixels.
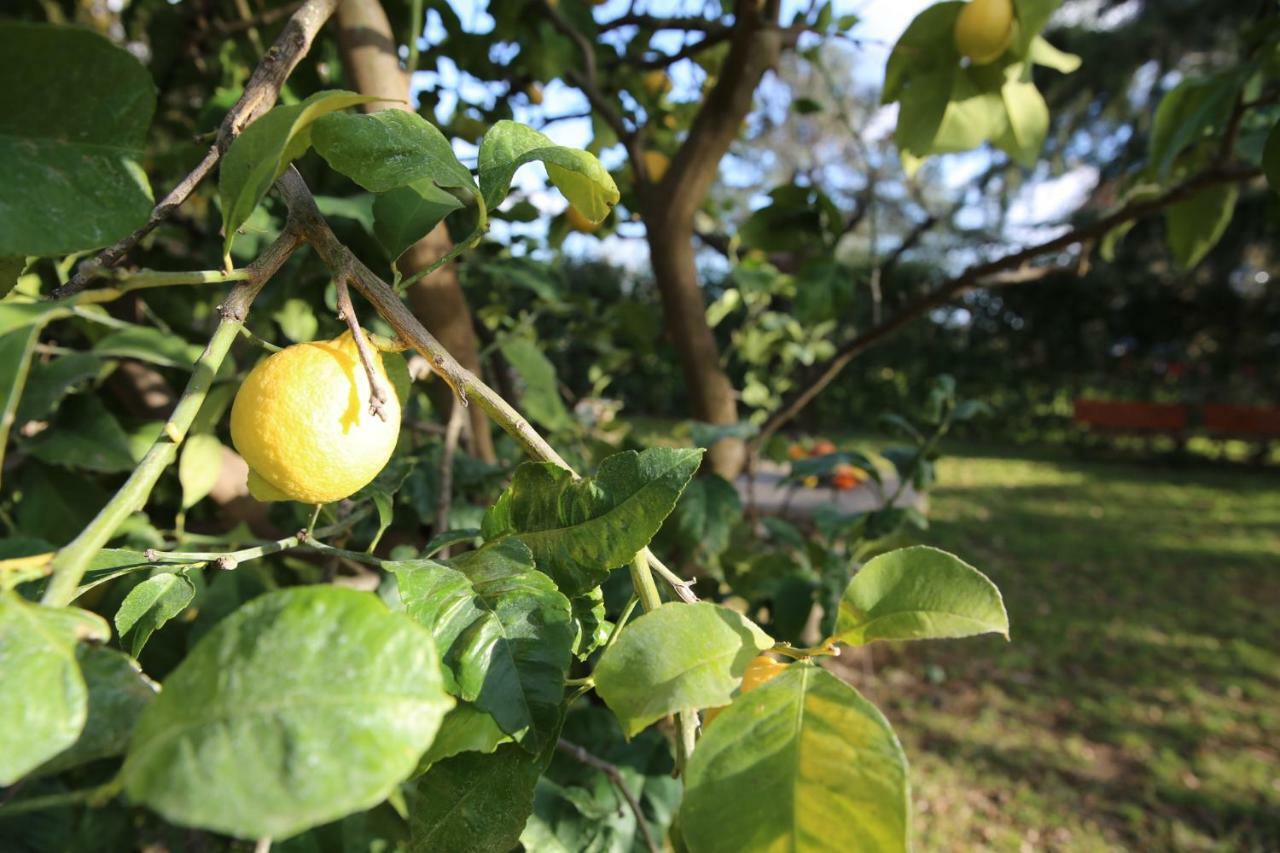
[
  {"x": 301, "y": 421},
  {"x": 984, "y": 30}
]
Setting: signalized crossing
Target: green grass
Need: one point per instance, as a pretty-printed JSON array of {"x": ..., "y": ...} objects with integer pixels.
[{"x": 1138, "y": 705}]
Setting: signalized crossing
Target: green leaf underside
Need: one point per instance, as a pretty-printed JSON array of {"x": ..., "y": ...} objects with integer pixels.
[
  {"x": 580, "y": 530},
  {"x": 473, "y": 801},
  {"x": 578, "y": 174},
  {"x": 71, "y": 175},
  {"x": 404, "y": 215},
  {"x": 803, "y": 763},
  {"x": 679, "y": 657},
  {"x": 149, "y": 605},
  {"x": 43, "y": 698},
  {"x": 265, "y": 149},
  {"x": 389, "y": 149},
  {"x": 305, "y": 705},
  {"x": 1196, "y": 225},
  {"x": 465, "y": 729},
  {"x": 503, "y": 629},
  {"x": 919, "y": 593}
]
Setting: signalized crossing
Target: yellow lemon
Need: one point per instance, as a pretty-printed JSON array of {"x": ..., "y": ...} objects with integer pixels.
[
  {"x": 579, "y": 222},
  {"x": 534, "y": 91},
  {"x": 984, "y": 30},
  {"x": 656, "y": 164},
  {"x": 759, "y": 672},
  {"x": 302, "y": 422},
  {"x": 656, "y": 83}
]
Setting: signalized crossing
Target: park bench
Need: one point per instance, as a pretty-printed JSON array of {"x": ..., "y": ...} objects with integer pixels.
[{"x": 1256, "y": 424}]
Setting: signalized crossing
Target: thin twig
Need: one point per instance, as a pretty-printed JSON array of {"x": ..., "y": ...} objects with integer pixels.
[
  {"x": 260, "y": 94},
  {"x": 683, "y": 588},
  {"x": 615, "y": 776},
  {"x": 457, "y": 417},
  {"x": 378, "y": 392}
]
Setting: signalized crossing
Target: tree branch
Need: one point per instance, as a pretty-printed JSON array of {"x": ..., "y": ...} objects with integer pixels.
[
  {"x": 378, "y": 391},
  {"x": 452, "y": 430},
  {"x": 260, "y": 94},
  {"x": 973, "y": 277},
  {"x": 70, "y": 562},
  {"x": 583, "y": 757}
]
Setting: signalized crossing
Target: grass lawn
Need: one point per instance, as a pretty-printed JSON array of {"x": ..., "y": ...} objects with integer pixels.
[{"x": 1138, "y": 705}]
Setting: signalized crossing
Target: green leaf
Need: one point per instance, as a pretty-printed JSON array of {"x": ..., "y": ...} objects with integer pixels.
[
  {"x": 1043, "y": 53},
  {"x": 1195, "y": 109},
  {"x": 925, "y": 49},
  {"x": 679, "y": 657},
  {"x": 11, "y": 269},
  {"x": 590, "y": 628},
  {"x": 801, "y": 763},
  {"x": 474, "y": 801},
  {"x": 297, "y": 320},
  {"x": 48, "y": 383},
  {"x": 580, "y": 530},
  {"x": 1033, "y": 17},
  {"x": 22, "y": 315},
  {"x": 465, "y": 729},
  {"x": 118, "y": 694},
  {"x": 392, "y": 148},
  {"x": 147, "y": 344},
  {"x": 262, "y": 152},
  {"x": 541, "y": 399},
  {"x": 706, "y": 514},
  {"x": 578, "y": 174},
  {"x": 86, "y": 436},
  {"x": 1028, "y": 121},
  {"x": 503, "y": 630},
  {"x": 43, "y": 697},
  {"x": 919, "y": 593},
  {"x": 72, "y": 133},
  {"x": 149, "y": 605},
  {"x": 305, "y": 705},
  {"x": 198, "y": 467},
  {"x": 404, "y": 215},
  {"x": 1193, "y": 227}
]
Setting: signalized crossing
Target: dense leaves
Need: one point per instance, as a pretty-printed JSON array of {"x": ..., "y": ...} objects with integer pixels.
[
  {"x": 578, "y": 174},
  {"x": 304, "y": 705}
]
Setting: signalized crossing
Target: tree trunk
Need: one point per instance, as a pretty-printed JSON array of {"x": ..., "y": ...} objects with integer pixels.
[
  {"x": 369, "y": 55},
  {"x": 669, "y": 207}
]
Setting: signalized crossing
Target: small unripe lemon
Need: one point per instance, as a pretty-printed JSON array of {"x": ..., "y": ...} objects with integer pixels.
[
  {"x": 301, "y": 421},
  {"x": 656, "y": 83},
  {"x": 759, "y": 672},
  {"x": 984, "y": 30},
  {"x": 534, "y": 91},
  {"x": 656, "y": 164}
]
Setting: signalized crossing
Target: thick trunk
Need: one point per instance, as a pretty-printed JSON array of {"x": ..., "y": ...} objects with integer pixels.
[
  {"x": 370, "y": 59},
  {"x": 711, "y": 394}
]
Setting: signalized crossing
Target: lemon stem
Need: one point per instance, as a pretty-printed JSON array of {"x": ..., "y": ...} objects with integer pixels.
[{"x": 378, "y": 391}]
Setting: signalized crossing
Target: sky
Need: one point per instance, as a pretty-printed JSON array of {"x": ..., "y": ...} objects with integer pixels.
[{"x": 880, "y": 24}]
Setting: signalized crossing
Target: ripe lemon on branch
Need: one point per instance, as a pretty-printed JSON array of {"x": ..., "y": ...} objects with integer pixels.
[
  {"x": 301, "y": 420},
  {"x": 984, "y": 30}
]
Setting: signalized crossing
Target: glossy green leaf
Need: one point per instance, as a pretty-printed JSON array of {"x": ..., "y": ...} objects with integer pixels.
[
  {"x": 803, "y": 763},
  {"x": 919, "y": 593},
  {"x": 1193, "y": 227},
  {"x": 578, "y": 174},
  {"x": 147, "y": 344},
  {"x": 389, "y": 149},
  {"x": 474, "y": 801},
  {"x": 149, "y": 605},
  {"x": 503, "y": 630},
  {"x": 305, "y": 705},
  {"x": 43, "y": 698},
  {"x": 265, "y": 149},
  {"x": 404, "y": 215},
  {"x": 71, "y": 174},
  {"x": 541, "y": 399},
  {"x": 198, "y": 467},
  {"x": 679, "y": 657},
  {"x": 118, "y": 694},
  {"x": 48, "y": 383},
  {"x": 465, "y": 729},
  {"x": 580, "y": 530}
]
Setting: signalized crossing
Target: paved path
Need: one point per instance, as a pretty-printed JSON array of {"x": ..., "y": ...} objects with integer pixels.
[{"x": 770, "y": 494}]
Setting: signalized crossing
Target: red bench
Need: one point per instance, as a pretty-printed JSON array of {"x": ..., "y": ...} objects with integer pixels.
[
  {"x": 1131, "y": 417},
  {"x": 1259, "y": 424},
  {"x": 1248, "y": 422}
]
